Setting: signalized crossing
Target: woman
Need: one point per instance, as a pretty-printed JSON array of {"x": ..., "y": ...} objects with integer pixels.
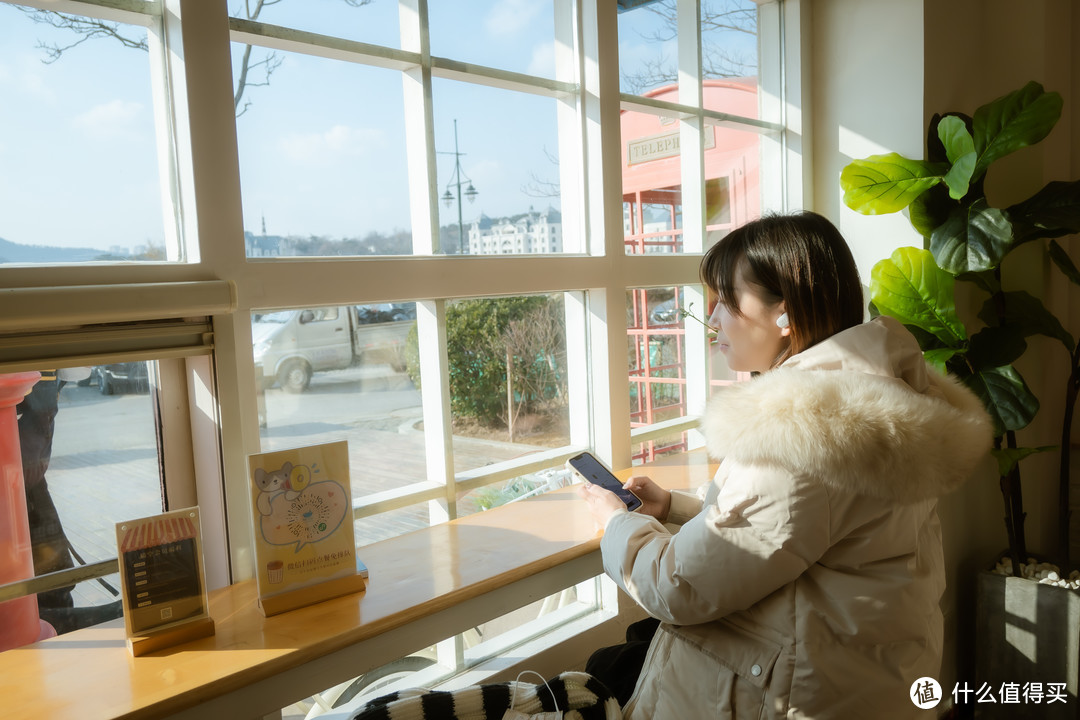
[{"x": 806, "y": 585}]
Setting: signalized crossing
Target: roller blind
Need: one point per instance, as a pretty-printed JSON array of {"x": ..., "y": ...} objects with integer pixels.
[{"x": 92, "y": 325}]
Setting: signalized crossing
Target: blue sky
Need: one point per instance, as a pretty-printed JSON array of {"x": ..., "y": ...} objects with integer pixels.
[{"x": 322, "y": 148}]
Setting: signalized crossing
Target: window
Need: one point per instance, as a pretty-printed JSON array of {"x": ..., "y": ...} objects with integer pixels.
[
  {"x": 87, "y": 120},
  {"x": 414, "y": 240},
  {"x": 342, "y": 165}
]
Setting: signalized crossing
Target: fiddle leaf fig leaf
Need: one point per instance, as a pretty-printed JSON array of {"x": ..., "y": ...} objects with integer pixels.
[
  {"x": 910, "y": 287},
  {"x": 1027, "y": 314},
  {"x": 985, "y": 279},
  {"x": 960, "y": 149},
  {"x": 1007, "y": 458},
  {"x": 1007, "y": 397},
  {"x": 996, "y": 346},
  {"x": 883, "y": 184},
  {"x": 973, "y": 239},
  {"x": 939, "y": 357},
  {"x": 1064, "y": 262},
  {"x": 1019, "y": 119},
  {"x": 1052, "y": 212},
  {"x": 931, "y": 209}
]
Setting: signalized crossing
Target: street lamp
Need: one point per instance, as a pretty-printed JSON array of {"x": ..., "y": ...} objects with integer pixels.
[{"x": 456, "y": 180}]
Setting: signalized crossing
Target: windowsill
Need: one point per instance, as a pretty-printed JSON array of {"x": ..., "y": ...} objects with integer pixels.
[{"x": 423, "y": 587}]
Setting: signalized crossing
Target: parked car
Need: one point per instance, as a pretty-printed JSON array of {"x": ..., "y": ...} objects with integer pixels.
[
  {"x": 665, "y": 313},
  {"x": 119, "y": 377},
  {"x": 385, "y": 312}
]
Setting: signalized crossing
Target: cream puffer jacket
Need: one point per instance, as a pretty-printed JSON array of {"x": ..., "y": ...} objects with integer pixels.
[{"x": 808, "y": 585}]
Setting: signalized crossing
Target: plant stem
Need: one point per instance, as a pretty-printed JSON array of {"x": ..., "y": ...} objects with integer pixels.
[
  {"x": 1016, "y": 501},
  {"x": 1005, "y": 484},
  {"x": 1011, "y": 489}
]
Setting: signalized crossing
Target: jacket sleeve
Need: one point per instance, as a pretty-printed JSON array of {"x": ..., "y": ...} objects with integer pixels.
[
  {"x": 684, "y": 506},
  {"x": 765, "y": 528}
]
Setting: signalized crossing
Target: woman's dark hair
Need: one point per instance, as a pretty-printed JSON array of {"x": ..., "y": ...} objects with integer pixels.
[{"x": 801, "y": 259}]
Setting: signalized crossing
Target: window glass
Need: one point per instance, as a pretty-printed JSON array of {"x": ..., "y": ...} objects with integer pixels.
[
  {"x": 321, "y": 160},
  {"x": 500, "y": 414},
  {"x": 498, "y": 171},
  {"x": 729, "y": 39},
  {"x": 659, "y": 322},
  {"x": 652, "y": 183},
  {"x": 77, "y": 133},
  {"x": 500, "y": 636},
  {"x": 657, "y": 447},
  {"x": 386, "y": 525},
  {"x": 517, "y": 35},
  {"x": 369, "y": 21},
  {"x": 88, "y": 446},
  {"x": 732, "y": 180},
  {"x": 652, "y": 176},
  {"x": 514, "y": 490},
  {"x": 340, "y": 373},
  {"x": 648, "y": 47},
  {"x": 655, "y": 338},
  {"x": 649, "y": 40}
]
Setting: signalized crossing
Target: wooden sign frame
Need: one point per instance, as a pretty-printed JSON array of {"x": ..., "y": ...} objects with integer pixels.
[
  {"x": 163, "y": 580},
  {"x": 301, "y": 508}
]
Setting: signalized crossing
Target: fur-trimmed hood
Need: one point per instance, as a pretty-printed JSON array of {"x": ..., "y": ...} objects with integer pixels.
[{"x": 861, "y": 411}]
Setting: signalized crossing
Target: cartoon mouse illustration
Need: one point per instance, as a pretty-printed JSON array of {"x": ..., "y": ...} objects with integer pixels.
[{"x": 272, "y": 483}]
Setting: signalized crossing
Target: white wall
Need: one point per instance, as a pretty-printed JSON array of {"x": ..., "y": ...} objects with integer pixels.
[{"x": 866, "y": 98}]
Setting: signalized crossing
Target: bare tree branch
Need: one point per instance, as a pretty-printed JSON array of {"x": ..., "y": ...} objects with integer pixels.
[
  {"x": 717, "y": 61},
  {"x": 539, "y": 187},
  {"x": 88, "y": 28}
]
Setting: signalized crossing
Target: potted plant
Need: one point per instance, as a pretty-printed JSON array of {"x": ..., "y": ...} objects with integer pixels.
[{"x": 968, "y": 240}]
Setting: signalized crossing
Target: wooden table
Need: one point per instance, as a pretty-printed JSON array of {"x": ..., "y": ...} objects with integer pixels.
[{"x": 421, "y": 590}]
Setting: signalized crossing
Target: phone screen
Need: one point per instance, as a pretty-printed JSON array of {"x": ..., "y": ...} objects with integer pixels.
[{"x": 594, "y": 471}]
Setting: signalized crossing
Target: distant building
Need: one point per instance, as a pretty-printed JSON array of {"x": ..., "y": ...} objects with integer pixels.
[
  {"x": 531, "y": 233},
  {"x": 655, "y": 219},
  {"x": 263, "y": 245}
]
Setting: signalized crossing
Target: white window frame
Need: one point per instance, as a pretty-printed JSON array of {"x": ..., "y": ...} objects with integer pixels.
[{"x": 197, "y": 148}]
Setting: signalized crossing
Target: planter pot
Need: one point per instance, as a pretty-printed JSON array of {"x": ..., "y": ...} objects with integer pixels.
[{"x": 1027, "y": 635}]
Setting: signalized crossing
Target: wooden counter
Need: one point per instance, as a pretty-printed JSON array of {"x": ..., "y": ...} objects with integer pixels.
[{"x": 419, "y": 592}]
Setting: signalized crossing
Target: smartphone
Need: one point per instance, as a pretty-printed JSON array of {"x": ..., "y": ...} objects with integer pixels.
[{"x": 592, "y": 470}]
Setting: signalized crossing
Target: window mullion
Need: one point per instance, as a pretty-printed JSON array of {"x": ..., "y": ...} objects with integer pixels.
[
  {"x": 435, "y": 378},
  {"x": 697, "y": 362},
  {"x": 577, "y": 367},
  {"x": 781, "y": 150},
  {"x": 691, "y": 130},
  {"x": 163, "y": 89},
  {"x": 574, "y": 196},
  {"x": 419, "y": 129}
]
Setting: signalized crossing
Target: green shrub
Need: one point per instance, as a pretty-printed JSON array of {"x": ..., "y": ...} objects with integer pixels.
[{"x": 479, "y": 335}]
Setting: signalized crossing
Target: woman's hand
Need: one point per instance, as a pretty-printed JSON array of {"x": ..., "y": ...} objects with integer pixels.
[
  {"x": 603, "y": 504},
  {"x": 655, "y": 500}
]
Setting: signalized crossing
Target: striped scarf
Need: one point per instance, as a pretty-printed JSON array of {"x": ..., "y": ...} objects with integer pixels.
[{"x": 578, "y": 695}]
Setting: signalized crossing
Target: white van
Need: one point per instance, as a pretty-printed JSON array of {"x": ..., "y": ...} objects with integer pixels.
[{"x": 290, "y": 345}]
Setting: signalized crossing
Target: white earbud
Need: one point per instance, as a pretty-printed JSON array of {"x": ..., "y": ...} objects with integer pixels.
[{"x": 782, "y": 321}]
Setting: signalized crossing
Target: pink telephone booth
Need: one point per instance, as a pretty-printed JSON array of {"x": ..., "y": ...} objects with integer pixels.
[{"x": 652, "y": 221}]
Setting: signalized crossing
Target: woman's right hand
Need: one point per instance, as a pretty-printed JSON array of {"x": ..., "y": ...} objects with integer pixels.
[{"x": 655, "y": 500}]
